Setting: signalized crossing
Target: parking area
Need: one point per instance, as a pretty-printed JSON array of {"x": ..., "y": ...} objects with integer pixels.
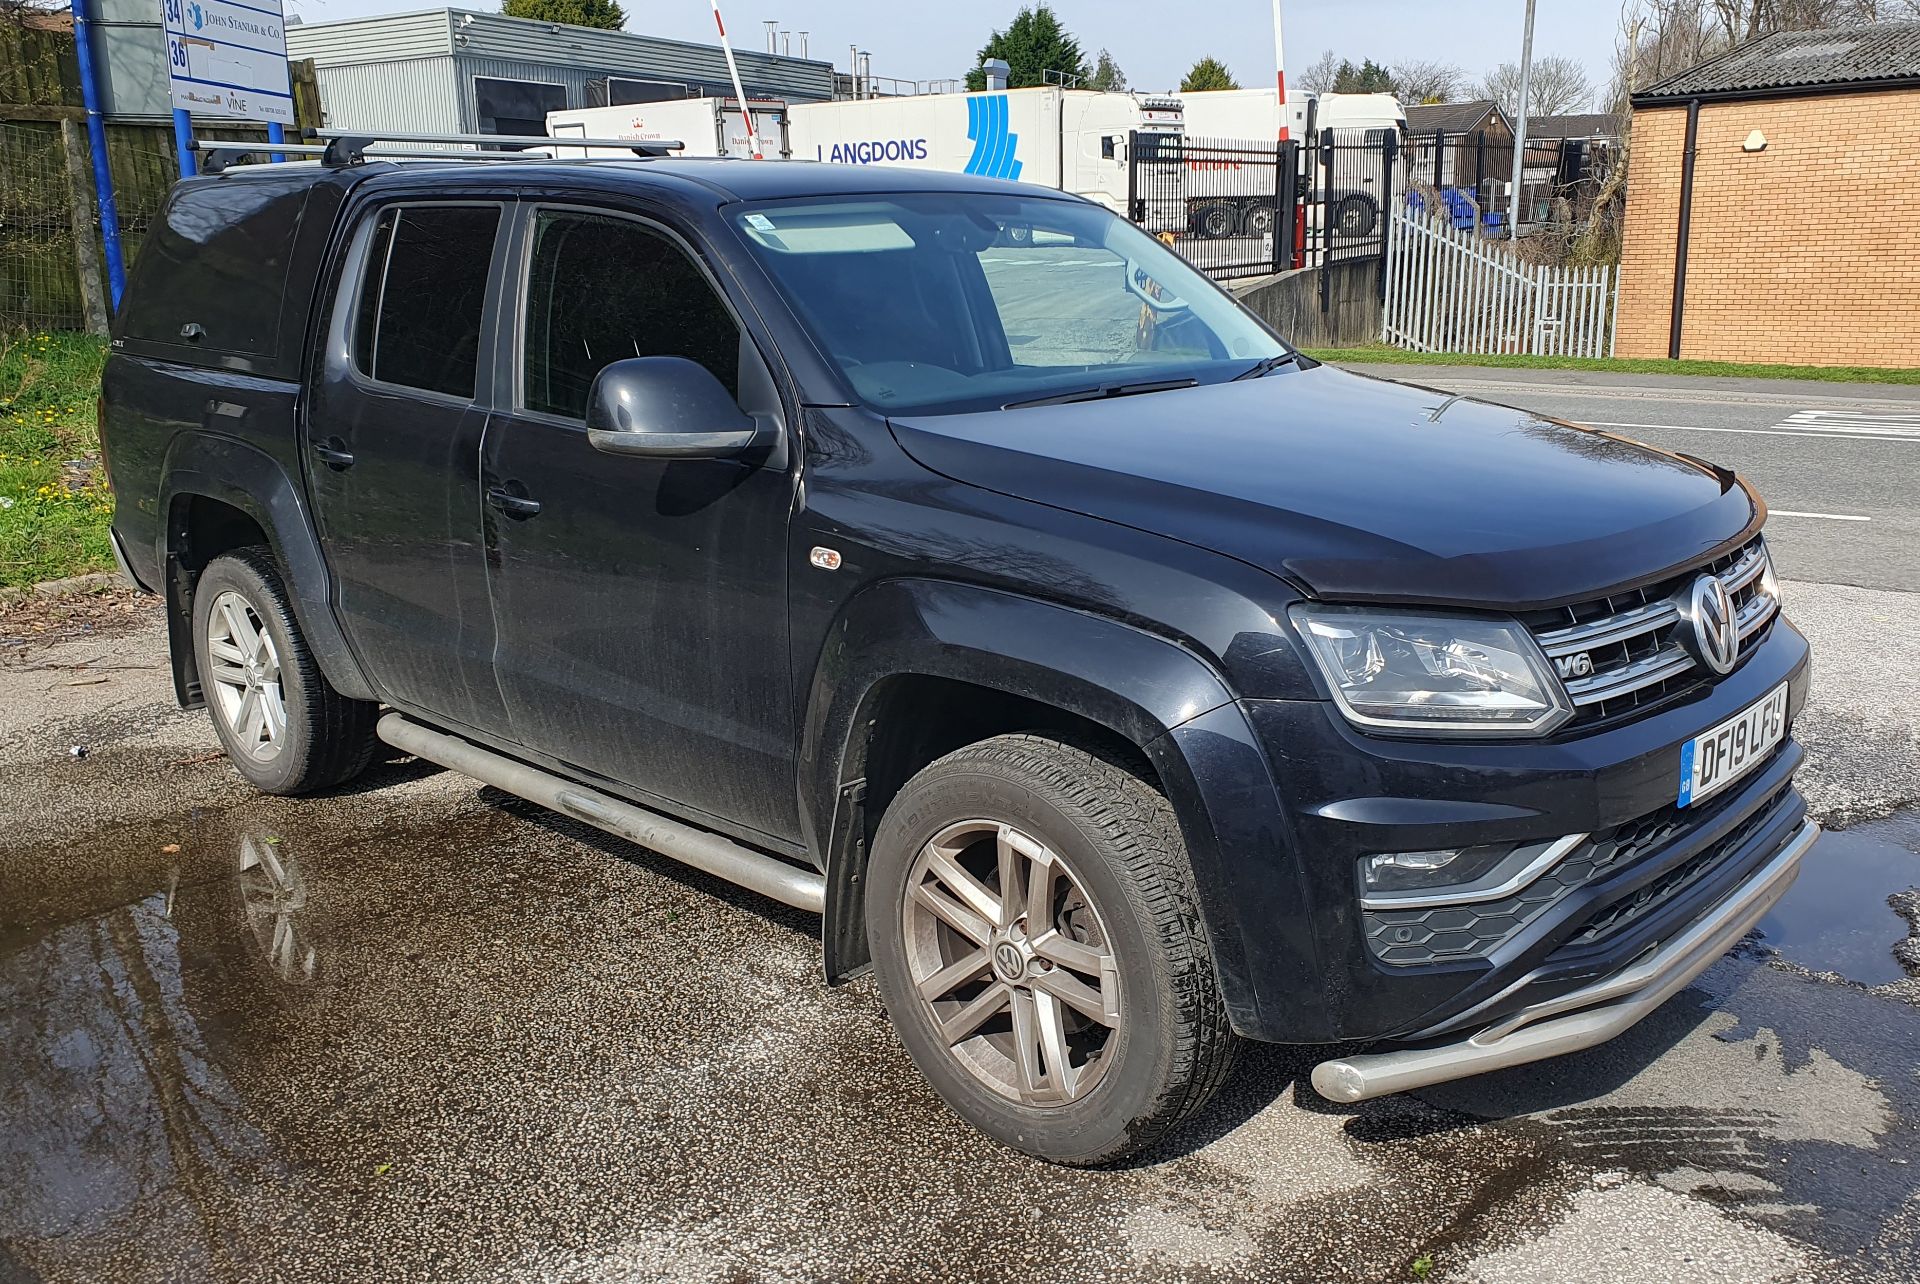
[{"x": 419, "y": 1029}]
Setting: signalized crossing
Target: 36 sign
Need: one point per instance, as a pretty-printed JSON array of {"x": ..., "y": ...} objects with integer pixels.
[{"x": 227, "y": 58}]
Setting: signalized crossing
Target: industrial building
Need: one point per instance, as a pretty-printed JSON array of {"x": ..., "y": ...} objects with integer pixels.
[{"x": 462, "y": 71}]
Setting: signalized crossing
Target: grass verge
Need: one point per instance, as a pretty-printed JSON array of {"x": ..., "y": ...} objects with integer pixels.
[
  {"x": 1384, "y": 355},
  {"x": 54, "y": 503}
]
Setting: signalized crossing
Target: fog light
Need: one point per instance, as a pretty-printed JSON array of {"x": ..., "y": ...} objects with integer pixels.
[{"x": 1446, "y": 867}]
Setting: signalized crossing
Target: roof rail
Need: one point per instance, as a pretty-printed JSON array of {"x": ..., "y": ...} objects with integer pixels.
[
  {"x": 347, "y": 147},
  {"x": 353, "y": 147}
]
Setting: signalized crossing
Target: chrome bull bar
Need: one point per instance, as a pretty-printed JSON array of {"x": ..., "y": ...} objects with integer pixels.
[{"x": 1581, "y": 1018}]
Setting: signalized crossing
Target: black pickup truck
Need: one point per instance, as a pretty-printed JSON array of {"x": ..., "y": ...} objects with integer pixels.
[{"x": 1115, "y": 682}]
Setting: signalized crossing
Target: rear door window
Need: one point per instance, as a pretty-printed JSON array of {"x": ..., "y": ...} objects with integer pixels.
[{"x": 417, "y": 322}]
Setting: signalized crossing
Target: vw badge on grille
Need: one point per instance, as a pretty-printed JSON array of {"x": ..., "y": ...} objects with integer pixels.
[{"x": 1716, "y": 629}]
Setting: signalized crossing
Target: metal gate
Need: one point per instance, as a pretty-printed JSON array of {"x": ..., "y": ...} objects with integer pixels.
[
  {"x": 1452, "y": 290},
  {"x": 1217, "y": 202}
]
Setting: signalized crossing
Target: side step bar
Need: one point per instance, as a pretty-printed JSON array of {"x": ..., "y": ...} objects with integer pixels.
[{"x": 721, "y": 857}]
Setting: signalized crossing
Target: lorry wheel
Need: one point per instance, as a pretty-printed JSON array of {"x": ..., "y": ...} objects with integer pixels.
[
  {"x": 1214, "y": 220},
  {"x": 1037, "y": 940},
  {"x": 1259, "y": 221},
  {"x": 1354, "y": 215},
  {"x": 282, "y": 726}
]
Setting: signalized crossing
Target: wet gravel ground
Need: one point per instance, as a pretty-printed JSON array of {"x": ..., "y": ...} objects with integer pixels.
[{"x": 419, "y": 1030}]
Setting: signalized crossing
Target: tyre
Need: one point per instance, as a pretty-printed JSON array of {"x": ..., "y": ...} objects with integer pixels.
[
  {"x": 1354, "y": 215},
  {"x": 1259, "y": 221},
  {"x": 282, "y": 726},
  {"x": 1215, "y": 219},
  {"x": 1076, "y": 1017}
]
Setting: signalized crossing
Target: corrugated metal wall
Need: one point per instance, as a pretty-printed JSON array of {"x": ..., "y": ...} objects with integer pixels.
[
  {"x": 388, "y": 38},
  {"x": 413, "y": 95}
]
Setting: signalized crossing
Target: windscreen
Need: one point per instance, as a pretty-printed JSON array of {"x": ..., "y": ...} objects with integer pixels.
[{"x": 933, "y": 303}]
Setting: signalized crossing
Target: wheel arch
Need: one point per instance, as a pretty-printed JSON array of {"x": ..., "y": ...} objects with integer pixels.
[
  {"x": 217, "y": 494},
  {"x": 916, "y": 668}
]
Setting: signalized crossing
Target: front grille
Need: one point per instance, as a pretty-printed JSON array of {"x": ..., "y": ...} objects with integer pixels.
[
  {"x": 1634, "y": 641},
  {"x": 1631, "y": 908},
  {"x": 1412, "y": 937}
]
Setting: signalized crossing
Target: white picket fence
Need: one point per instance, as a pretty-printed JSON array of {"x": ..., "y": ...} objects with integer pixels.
[{"x": 1449, "y": 290}]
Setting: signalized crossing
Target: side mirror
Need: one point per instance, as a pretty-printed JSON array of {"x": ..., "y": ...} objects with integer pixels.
[
  {"x": 1141, "y": 284},
  {"x": 665, "y": 408}
]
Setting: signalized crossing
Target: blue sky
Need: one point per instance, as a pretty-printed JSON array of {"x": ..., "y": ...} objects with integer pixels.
[{"x": 1153, "y": 40}]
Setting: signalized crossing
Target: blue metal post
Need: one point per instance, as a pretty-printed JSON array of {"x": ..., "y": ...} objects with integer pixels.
[
  {"x": 97, "y": 144},
  {"x": 277, "y": 133},
  {"x": 183, "y": 142}
]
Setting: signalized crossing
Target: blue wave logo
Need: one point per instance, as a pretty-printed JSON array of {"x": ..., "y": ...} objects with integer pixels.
[
  {"x": 199, "y": 19},
  {"x": 993, "y": 144}
]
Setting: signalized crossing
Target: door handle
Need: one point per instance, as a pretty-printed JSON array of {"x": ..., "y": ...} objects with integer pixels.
[
  {"x": 516, "y": 506},
  {"x": 333, "y": 453}
]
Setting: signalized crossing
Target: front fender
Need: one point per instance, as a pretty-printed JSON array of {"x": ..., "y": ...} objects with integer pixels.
[
  {"x": 1159, "y": 696},
  {"x": 248, "y": 479}
]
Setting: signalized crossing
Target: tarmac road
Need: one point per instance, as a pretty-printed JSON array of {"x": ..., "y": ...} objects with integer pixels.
[
  {"x": 1838, "y": 464},
  {"x": 418, "y": 1030}
]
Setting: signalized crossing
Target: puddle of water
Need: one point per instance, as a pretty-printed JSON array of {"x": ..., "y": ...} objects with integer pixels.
[{"x": 1836, "y": 917}]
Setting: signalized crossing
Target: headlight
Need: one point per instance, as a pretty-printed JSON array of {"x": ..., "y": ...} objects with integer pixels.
[
  {"x": 1769, "y": 580},
  {"x": 1430, "y": 674}
]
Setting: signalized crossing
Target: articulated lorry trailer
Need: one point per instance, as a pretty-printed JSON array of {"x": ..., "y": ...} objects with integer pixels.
[
  {"x": 1071, "y": 139},
  {"x": 1345, "y": 197},
  {"x": 703, "y": 127}
]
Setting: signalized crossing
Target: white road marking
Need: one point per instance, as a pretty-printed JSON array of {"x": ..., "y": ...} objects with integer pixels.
[
  {"x": 1757, "y": 432},
  {"x": 1832, "y": 517},
  {"x": 1876, "y": 425}
]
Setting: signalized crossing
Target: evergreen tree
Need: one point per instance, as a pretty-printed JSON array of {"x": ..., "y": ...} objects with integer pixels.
[
  {"x": 1368, "y": 78},
  {"x": 1208, "y": 73},
  {"x": 1107, "y": 76},
  {"x": 1033, "y": 44},
  {"x": 575, "y": 13}
]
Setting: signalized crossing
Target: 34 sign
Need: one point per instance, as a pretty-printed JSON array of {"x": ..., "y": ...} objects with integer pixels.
[{"x": 226, "y": 58}]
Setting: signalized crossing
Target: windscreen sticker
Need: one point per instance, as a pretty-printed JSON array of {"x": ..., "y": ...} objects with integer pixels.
[{"x": 759, "y": 222}]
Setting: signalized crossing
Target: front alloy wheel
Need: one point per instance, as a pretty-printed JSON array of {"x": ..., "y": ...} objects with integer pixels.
[
  {"x": 1036, "y": 936},
  {"x": 1011, "y": 957}
]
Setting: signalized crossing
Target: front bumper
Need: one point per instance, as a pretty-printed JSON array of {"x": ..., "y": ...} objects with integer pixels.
[
  {"x": 1579, "y": 1018},
  {"x": 1344, "y": 795}
]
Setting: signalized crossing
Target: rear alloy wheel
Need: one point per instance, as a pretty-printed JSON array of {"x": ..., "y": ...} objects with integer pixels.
[
  {"x": 283, "y": 727},
  {"x": 1037, "y": 940}
]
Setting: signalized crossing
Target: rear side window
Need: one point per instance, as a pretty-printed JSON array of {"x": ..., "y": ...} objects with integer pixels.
[
  {"x": 210, "y": 277},
  {"x": 600, "y": 289},
  {"x": 417, "y": 322}
]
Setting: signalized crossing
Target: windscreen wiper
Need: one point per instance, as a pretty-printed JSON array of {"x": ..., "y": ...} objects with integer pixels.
[
  {"x": 1103, "y": 392},
  {"x": 1267, "y": 365}
]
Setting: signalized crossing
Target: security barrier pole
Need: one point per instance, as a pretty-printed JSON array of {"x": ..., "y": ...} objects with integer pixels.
[
  {"x": 183, "y": 142},
  {"x": 97, "y": 144}
]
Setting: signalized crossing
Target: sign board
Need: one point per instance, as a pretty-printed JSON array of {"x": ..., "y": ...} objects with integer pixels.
[{"x": 228, "y": 59}]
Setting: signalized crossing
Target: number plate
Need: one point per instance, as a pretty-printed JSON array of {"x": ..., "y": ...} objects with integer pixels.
[{"x": 1716, "y": 758}]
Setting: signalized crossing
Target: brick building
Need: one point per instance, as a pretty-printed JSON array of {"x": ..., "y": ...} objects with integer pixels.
[{"x": 1800, "y": 239}]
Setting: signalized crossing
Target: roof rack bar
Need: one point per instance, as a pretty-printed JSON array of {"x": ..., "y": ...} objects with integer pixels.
[{"x": 346, "y": 146}]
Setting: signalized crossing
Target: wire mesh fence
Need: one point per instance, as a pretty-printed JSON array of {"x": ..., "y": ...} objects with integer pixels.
[
  {"x": 39, "y": 273},
  {"x": 39, "y": 284}
]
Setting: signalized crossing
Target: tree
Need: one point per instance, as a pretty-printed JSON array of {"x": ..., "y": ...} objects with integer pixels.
[
  {"x": 1320, "y": 74},
  {"x": 1556, "y": 85},
  {"x": 575, "y": 13},
  {"x": 1208, "y": 73},
  {"x": 1107, "y": 76},
  {"x": 1426, "y": 80},
  {"x": 1368, "y": 78},
  {"x": 1033, "y": 44}
]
